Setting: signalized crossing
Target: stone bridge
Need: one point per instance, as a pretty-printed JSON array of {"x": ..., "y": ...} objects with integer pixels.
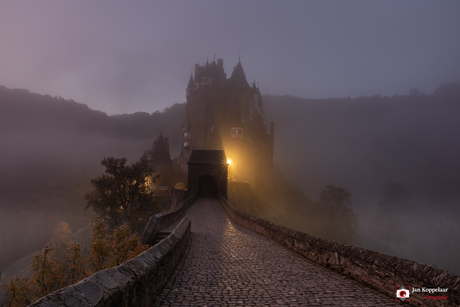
[
  {"x": 226, "y": 264},
  {"x": 210, "y": 259}
]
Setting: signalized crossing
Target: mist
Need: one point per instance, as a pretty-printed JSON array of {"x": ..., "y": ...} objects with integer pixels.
[
  {"x": 43, "y": 182},
  {"x": 51, "y": 149},
  {"x": 363, "y": 143}
]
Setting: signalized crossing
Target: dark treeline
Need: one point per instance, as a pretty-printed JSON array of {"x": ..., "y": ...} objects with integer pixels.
[{"x": 21, "y": 110}]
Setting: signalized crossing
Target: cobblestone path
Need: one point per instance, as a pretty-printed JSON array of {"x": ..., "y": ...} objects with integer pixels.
[{"x": 228, "y": 265}]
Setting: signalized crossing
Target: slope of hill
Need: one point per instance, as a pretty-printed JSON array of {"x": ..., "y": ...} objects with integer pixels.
[
  {"x": 41, "y": 134},
  {"x": 50, "y": 149},
  {"x": 364, "y": 141},
  {"x": 361, "y": 144}
]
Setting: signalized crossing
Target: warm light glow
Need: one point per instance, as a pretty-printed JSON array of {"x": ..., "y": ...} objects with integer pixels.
[{"x": 229, "y": 161}]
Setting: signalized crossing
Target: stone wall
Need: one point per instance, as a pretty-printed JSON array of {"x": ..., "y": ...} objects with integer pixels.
[
  {"x": 163, "y": 219},
  {"x": 379, "y": 271},
  {"x": 239, "y": 194},
  {"x": 135, "y": 282}
]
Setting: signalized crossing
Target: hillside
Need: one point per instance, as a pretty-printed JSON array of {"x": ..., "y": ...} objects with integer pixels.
[
  {"x": 38, "y": 130},
  {"x": 361, "y": 144},
  {"x": 51, "y": 148},
  {"x": 363, "y": 141}
]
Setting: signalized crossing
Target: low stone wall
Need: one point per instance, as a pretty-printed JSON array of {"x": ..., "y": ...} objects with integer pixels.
[
  {"x": 239, "y": 193},
  {"x": 163, "y": 219},
  {"x": 135, "y": 282},
  {"x": 379, "y": 271}
]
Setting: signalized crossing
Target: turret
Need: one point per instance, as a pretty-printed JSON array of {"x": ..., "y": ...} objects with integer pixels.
[
  {"x": 160, "y": 151},
  {"x": 189, "y": 86}
]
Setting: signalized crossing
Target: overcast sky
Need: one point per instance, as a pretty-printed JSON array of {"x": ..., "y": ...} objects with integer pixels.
[{"x": 129, "y": 56}]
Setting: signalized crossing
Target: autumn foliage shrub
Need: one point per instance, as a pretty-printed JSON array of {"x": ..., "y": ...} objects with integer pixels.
[{"x": 62, "y": 262}]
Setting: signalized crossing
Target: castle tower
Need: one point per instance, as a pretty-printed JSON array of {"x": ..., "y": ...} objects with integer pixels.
[{"x": 227, "y": 114}]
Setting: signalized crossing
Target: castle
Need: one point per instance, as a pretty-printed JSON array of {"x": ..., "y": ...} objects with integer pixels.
[{"x": 226, "y": 114}]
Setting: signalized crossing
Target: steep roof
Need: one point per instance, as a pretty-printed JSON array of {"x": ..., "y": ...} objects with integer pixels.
[
  {"x": 238, "y": 78},
  {"x": 160, "y": 150}
]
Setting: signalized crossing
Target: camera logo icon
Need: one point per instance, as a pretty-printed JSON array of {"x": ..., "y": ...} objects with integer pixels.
[{"x": 402, "y": 293}]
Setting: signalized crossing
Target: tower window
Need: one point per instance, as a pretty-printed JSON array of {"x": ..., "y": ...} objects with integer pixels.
[
  {"x": 206, "y": 81},
  {"x": 237, "y": 132}
]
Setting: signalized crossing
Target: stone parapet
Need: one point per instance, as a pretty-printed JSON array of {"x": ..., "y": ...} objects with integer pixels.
[
  {"x": 135, "y": 282},
  {"x": 379, "y": 271},
  {"x": 161, "y": 220}
]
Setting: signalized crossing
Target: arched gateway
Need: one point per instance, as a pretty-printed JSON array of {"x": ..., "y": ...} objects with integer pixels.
[{"x": 207, "y": 173}]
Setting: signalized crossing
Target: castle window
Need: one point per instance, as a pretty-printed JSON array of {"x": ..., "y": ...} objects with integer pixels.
[
  {"x": 206, "y": 81},
  {"x": 255, "y": 108},
  {"x": 237, "y": 132}
]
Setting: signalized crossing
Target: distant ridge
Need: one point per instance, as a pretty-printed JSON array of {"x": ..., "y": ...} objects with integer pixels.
[{"x": 21, "y": 110}]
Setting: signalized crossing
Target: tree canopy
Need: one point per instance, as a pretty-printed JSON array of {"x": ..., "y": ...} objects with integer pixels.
[
  {"x": 62, "y": 262},
  {"x": 121, "y": 189}
]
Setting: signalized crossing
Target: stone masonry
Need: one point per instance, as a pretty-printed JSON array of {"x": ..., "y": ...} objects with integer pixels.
[
  {"x": 228, "y": 265},
  {"x": 379, "y": 271}
]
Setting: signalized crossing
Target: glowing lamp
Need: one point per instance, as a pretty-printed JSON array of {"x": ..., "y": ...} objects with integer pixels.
[{"x": 229, "y": 161}]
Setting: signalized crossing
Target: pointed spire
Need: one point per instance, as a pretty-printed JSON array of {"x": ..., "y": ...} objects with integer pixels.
[
  {"x": 238, "y": 77},
  {"x": 190, "y": 82}
]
